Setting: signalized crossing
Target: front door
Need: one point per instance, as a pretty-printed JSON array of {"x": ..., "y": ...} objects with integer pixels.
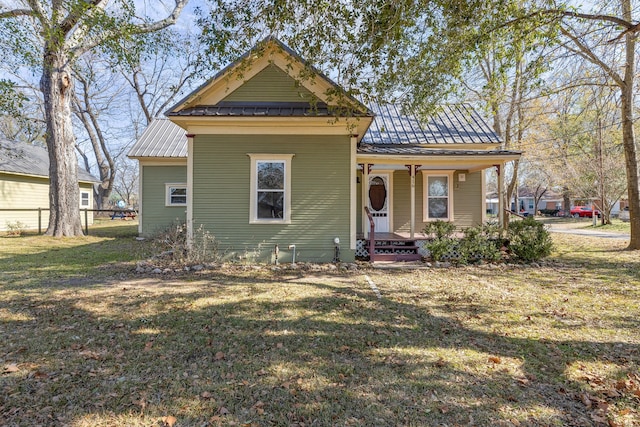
[{"x": 378, "y": 201}]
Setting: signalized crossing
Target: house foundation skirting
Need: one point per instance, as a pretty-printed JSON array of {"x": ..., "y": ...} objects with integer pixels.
[{"x": 362, "y": 249}]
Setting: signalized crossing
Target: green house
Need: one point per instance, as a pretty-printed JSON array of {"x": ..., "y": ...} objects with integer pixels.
[{"x": 271, "y": 153}]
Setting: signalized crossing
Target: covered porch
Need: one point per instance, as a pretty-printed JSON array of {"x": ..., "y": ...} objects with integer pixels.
[{"x": 399, "y": 194}]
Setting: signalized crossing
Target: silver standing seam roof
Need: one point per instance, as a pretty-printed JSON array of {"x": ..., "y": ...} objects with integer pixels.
[
  {"x": 395, "y": 130},
  {"x": 20, "y": 158},
  {"x": 161, "y": 138},
  {"x": 397, "y": 124}
]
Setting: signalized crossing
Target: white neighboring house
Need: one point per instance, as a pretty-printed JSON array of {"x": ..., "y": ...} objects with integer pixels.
[{"x": 24, "y": 185}]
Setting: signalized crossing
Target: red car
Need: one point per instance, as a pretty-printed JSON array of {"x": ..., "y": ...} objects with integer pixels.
[{"x": 583, "y": 211}]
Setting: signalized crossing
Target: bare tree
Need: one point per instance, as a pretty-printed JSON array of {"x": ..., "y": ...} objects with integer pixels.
[{"x": 64, "y": 31}]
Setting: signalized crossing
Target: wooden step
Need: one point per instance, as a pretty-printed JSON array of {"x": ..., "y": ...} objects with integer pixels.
[{"x": 396, "y": 257}]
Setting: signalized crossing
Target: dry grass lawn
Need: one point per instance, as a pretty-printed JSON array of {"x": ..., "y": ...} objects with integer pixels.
[{"x": 87, "y": 342}]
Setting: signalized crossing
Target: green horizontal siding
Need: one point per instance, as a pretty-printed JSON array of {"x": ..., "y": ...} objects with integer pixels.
[
  {"x": 467, "y": 199},
  {"x": 319, "y": 195},
  {"x": 271, "y": 84},
  {"x": 157, "y": 217}
]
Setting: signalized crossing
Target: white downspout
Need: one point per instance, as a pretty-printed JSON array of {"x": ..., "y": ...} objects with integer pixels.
[{"x": 190, "y": 190}]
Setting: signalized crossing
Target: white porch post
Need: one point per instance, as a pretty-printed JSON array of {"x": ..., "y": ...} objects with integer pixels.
[
  {"x": 499, "y": 170},
  {"x": 412, "y": 172},
  {"x": 352, "y": 194},
  {"x": 365, "y": 194}
]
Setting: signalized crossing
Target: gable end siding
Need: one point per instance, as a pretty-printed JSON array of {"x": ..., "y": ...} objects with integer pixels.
[
  {"x": 320, "y": 208},
  {"x": 270, "y": 85}
]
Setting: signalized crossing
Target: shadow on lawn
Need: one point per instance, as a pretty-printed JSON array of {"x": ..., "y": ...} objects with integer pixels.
[{"x": 338, "y": 356}]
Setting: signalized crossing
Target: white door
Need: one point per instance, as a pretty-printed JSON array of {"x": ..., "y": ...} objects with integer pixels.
[{"x": 378, "y": 201}]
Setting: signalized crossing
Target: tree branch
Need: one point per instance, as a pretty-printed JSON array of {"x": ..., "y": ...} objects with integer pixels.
[
  {"x": 16, "y": 13},
  {"x": 81, "y": 48},
  {"x": 591, "y": 57},
  {"x": 559, "y": 13}
]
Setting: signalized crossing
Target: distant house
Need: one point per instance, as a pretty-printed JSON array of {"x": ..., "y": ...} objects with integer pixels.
[
  {"x": 261, "y": 157},
  {"x": 24, "y": 184}
]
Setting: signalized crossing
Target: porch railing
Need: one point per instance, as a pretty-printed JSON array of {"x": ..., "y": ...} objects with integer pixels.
[{"x": 372, "y": 234}]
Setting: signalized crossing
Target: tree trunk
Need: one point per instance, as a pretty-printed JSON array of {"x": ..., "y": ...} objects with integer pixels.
[
  {"x": 57, "y": 87},
  {"x": 628, "y": 137}
]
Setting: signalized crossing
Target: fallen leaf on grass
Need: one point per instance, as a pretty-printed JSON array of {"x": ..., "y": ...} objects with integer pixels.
[
  {"x": 88, "y": 354},
  {"x": 223, "y": 411},
  {"x": 258, "y": 407},
  {"x": 169, "y": 421},
  {"x": 11, "y": 368},
  {"x": 148, "y": 345},
  {"x": 495, "y": 359},
  {"x": 219, "y": 355},
  {"x": 206, "y": 395}
]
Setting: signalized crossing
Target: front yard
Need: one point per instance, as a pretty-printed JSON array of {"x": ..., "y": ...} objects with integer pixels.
[{"x": 88, "y": 342}]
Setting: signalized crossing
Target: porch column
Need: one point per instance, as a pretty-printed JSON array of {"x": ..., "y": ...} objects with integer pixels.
[
  {"x": 412, "y": 173},
  {"x": 500, "y": 195},
  {"x": 365, "y": 194}
]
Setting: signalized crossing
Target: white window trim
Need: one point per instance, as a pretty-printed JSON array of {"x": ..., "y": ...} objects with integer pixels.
[
  {"x": 253, "y": 196},
  {"x": 167, "y": 191},
  {"x": 88, "y": 205},
  {"x": 425, "y": 197}
]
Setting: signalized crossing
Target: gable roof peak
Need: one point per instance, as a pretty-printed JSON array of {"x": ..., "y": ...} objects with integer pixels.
[{"x": 268, "y": 51}]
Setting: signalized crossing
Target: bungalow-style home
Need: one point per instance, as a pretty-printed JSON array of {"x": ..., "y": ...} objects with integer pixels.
[
  {"x": 273, "y": 159},
  {"x": 24, "y": 187}
]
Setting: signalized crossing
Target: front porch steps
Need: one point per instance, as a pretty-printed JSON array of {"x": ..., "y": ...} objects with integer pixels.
[{"x": 395, "y": 249}]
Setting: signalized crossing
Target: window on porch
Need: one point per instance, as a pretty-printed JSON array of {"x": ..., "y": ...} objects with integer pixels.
[{"x": 438, "y": 202}]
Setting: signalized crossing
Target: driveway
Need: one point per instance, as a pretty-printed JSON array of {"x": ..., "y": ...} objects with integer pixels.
[{"x": 576, "y": 227}]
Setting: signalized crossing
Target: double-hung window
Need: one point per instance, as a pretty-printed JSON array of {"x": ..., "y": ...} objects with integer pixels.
[
  {"x": 85, "y": 199},
  {"x": 438, "y": 197},
  {"x": 176, "y": 194},
  {"x": 270, "y": 188}
]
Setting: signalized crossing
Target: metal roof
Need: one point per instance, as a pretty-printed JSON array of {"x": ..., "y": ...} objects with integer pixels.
[
  {"x": 260, "y": 109},
  {"x": 26, "y": 159},
  {"x": 394, "y": 131},
  {"x": 451, "y": 124},
  {"x": 162, "y": 138},
  {"x": 419, "y": 150}
]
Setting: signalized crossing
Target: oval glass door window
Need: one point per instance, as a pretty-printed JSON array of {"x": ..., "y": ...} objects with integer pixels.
[{"x": 377, "y": 194}]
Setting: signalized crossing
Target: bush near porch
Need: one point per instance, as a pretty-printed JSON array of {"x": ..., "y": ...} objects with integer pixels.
[{"x": 526, "y": 241}]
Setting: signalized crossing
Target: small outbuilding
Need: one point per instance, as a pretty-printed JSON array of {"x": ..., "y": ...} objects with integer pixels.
[{"x": 24, "y": 186}]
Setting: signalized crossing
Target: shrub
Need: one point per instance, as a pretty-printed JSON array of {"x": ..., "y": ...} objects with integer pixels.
[
  {"x": 442, "y": 242},
  {"x": 480, "y": 242},
  {"x": 16, "y": 228},
  {"x": 529, "y": 240},
  {"x": 172, "y": 244}
]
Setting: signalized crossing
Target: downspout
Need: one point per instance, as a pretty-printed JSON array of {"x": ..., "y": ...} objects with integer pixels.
[{"x": 189, "y": 218}]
